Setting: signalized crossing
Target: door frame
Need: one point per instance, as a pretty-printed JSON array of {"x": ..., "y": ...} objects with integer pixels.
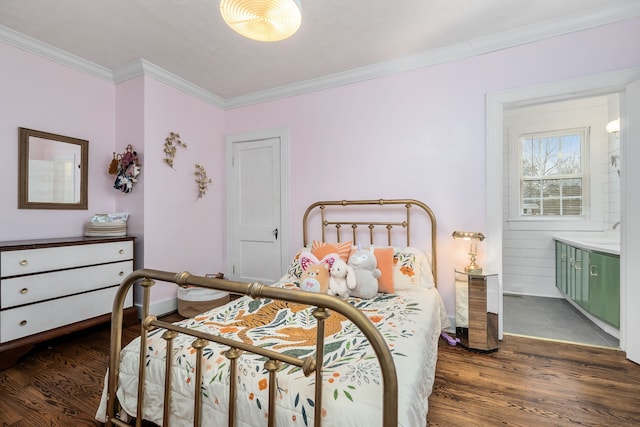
[
  {"x": 591, "y": 85},
  {"x": 283, "y": 135}
]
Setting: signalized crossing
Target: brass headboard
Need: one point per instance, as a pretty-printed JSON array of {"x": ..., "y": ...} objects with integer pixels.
[{"x": 394, "y": 218}]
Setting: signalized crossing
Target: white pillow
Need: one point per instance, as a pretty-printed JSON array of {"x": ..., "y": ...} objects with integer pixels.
[{"x": 412, "y": 267}]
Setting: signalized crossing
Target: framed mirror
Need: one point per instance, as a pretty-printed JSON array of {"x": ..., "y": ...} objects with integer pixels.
[{"x": 53, "y": 171}]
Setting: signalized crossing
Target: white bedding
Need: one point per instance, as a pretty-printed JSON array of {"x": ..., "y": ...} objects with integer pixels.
[{"x": 411, "y": 322}]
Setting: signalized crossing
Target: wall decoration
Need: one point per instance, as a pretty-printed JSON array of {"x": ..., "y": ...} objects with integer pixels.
[
  {"x": 202, "y": 180},
  {"x": 170, "y": 145},
  {"x": 126, "y": 167}
]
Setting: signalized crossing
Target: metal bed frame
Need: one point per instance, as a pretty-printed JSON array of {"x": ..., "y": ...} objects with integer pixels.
[{"x": 323, "y": 304}]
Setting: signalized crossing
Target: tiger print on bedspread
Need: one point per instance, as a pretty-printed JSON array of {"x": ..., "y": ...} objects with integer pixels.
[{"x": 291, "y": 329}]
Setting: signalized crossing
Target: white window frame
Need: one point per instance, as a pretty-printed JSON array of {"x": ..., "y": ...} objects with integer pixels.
[
  {"x": 583, "y": 175},
  {"x": 593, "y": 216}
]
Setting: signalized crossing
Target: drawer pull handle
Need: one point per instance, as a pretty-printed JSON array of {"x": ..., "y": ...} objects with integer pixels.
[
  {"x": 24, "y": 291},
  {"x": 24, "y": 262},
  {"x": 121, "y": 251},
  {"x": 23, "y": 323},
  {"x": 593, "y": 271},
  {"x": 121, "y": 273}
]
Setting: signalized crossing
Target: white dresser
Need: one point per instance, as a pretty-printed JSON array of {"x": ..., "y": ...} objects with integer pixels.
[{"x": 52, "y": 287}]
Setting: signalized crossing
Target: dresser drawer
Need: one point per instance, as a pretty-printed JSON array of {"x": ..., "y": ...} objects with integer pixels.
[
  {"x": 31, "y": 319},
  {"x": 14, "y": 263},
  {"x": 39, "y": 287}
]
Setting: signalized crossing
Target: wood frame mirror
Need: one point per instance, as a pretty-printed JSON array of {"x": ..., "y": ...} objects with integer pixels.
[{"x": 53, "y": 171}]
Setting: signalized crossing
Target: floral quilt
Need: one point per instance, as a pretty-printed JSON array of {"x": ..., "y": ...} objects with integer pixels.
[{"x": 409, "y": 321}]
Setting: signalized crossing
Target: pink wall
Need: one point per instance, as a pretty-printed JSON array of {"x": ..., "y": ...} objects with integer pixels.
[
  {"x": 418, "y": 134},
  {"x": 130, "y": 130},
  {"x": 421, "y": 134},
  {"x": 43, "y": 95},
  {"x": 182, "y": 232}
]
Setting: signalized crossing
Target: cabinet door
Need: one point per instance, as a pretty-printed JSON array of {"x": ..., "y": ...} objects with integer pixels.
[
  {"x": 561, "y": 267},
  {"x": 604, "y": 288},
  {"x": 582, "y": 278},
  {"x": 571, "y": 272}
]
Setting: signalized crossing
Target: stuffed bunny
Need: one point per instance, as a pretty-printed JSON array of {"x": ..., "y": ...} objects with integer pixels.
[{"x": 342, "y": 278}]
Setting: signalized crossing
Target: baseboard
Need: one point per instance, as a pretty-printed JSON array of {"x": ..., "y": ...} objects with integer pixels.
[{"x": 160, "y": 308}]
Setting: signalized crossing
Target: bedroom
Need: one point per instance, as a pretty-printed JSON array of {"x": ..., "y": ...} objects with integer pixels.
[{"x": 432, "y": 118}]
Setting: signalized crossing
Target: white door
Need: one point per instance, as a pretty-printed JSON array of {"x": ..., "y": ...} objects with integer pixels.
[{"x": 255, "y": 210}]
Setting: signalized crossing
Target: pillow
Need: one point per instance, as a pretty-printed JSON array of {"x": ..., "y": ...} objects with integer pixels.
[
  {"x": 405, "y": 269},
  {"x": 295, "y": 269},
  {"x": 322, "y": 249},
  {"x": 384, "y": 256},
  {"x": 412, "y": 268}
]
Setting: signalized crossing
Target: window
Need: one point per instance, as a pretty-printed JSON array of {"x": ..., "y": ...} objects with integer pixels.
[{"x": 553, "y": 173}]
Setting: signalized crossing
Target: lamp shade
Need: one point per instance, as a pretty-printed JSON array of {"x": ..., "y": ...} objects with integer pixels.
[
  {"x": 262, "y": 20},
  {"x": 468, "y": 235}
]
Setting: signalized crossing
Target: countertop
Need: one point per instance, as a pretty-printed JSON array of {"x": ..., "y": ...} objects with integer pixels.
[{"x": 598, "y": 242}]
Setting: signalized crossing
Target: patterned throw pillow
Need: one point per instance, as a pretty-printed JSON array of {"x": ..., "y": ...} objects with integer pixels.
[
  {"x": 322, "y": 249},
  {"x": 295, "y": 269},
  {"x": 412, "y": 267},
  {"x": 406, "y": 271}
]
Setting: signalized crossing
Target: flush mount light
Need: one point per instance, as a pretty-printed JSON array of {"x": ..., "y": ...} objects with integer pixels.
[{"x": 263, "y": 20}]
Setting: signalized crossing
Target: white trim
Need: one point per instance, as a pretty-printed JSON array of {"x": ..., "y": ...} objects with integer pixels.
[
  {"x": 630, "y": 221},
  {"x": 284, "y": 135},
  {"x": 52, "y": 53},
  {"x": 598, "y": 84},
  {"x": 540, "y": 31},
  {"x": 143, "y": 67},
  {"x": 482, "y": 45}
]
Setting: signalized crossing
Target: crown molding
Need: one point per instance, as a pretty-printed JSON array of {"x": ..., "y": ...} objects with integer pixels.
[
  {"x": 145, "y": 68},
  {"x": 504, "y": 40},
  {"x": 36, "y": 47}
]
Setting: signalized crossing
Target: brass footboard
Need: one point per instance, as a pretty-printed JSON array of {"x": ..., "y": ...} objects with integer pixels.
[{"x": 310, "y": 365}]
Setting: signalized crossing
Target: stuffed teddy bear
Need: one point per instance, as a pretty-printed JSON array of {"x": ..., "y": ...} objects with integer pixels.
[
  {"x": 315, "y": 273},
  {"x": 364, "y": 265},
  {"x": 342, "y": 278}
]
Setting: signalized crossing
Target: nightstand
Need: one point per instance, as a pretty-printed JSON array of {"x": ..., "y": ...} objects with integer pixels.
[{"x": 477, "y": 298}]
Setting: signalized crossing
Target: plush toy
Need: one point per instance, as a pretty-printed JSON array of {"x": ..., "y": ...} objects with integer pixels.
[
  {"x": 342, "y": 279},
  {"x": 364, "y": 265},
  {"x": 315, "y": 273}
]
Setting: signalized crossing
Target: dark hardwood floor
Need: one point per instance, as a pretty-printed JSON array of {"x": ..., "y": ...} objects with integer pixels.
[
  {"x": 527, "y": 382},
  {"x": 532, "y": 382}
]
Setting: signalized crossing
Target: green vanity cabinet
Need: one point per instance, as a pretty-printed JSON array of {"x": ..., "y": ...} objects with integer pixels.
[
  {"x": 604, "y": 287},
  {"x": 591, "y": 279},
  {"x": 572, "y": 277}
]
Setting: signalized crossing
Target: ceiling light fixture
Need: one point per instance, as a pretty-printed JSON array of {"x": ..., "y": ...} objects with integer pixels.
[{"x": 263, "y": 20}]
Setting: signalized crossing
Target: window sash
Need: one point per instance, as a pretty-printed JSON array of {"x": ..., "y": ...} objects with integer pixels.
[{"x": 552, "y": 176}]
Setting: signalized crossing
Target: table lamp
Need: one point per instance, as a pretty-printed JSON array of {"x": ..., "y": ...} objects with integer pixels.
[{"x": 473, "y": 237}]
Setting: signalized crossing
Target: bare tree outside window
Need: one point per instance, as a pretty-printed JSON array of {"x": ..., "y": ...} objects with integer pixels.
[{"x": 552, "y": 173}]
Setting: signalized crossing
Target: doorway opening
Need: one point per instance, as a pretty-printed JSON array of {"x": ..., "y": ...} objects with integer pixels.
[{"x": 559, "y": 178}]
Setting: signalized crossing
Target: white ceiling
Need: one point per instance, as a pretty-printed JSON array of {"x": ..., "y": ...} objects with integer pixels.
[{"x": 340, "y": 41}]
